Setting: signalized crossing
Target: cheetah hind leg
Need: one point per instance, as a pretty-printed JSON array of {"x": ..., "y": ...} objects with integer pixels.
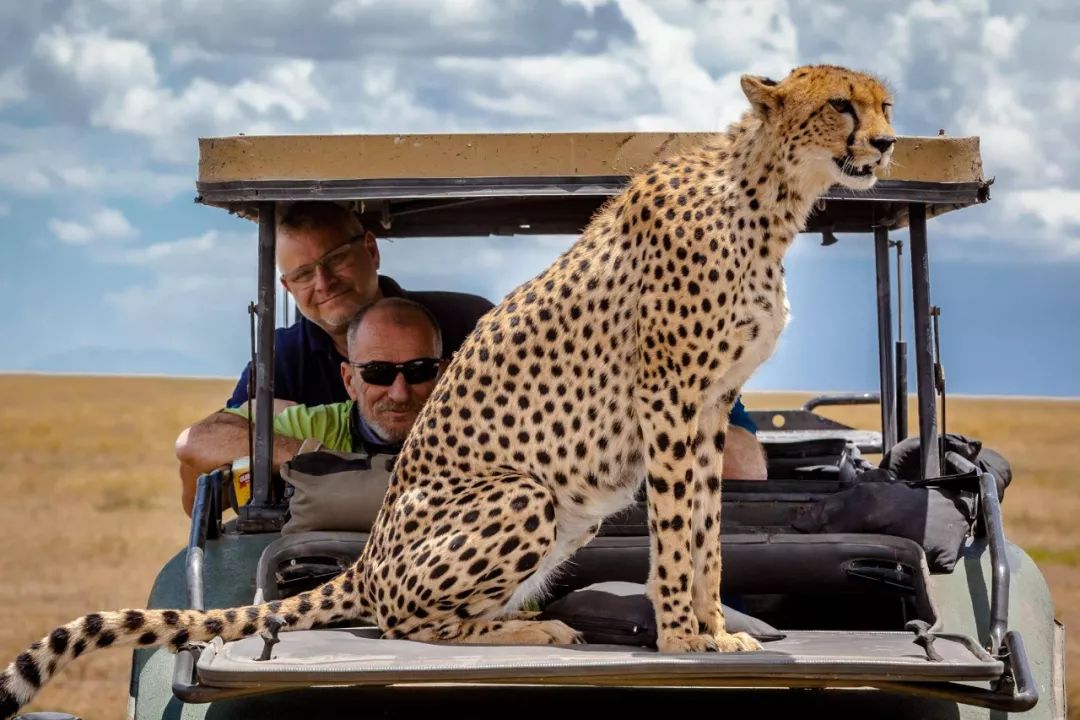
[
  {"x": 499, "y": 632},
  {"x": 484, "y": 563}
]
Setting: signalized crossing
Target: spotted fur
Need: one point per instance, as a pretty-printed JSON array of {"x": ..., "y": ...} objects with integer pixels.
[{"x": 619, "y": 362}]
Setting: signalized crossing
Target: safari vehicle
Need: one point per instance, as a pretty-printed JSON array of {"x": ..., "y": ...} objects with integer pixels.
[{"x": 867, "y": 627}]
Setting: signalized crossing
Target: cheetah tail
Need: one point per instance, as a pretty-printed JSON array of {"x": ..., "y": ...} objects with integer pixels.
[{"x": 20, "y": 682}]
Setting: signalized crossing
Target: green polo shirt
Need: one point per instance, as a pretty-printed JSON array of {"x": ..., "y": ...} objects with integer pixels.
[{"x": 329, "y": 424}]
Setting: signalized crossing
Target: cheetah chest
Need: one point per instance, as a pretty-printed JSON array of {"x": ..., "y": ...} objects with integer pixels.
[{"x": 757, "y": 329}]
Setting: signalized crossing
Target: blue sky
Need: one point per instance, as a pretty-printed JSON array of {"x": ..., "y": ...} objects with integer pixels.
[{"x": 106, "y": 264}]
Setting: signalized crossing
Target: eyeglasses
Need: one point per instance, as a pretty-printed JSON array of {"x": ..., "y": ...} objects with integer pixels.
[
  {"x": 380, "y": 372},
  {"x": 333, "y": 262}
]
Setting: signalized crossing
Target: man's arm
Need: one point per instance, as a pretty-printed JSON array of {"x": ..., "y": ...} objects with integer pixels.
[
  {"x": 744, "y": 456},
  {"x": 216, "y": 441}
]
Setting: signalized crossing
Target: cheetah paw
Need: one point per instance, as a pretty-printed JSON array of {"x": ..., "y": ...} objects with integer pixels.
[
  {"x": 735, "y": 642},
  {"x": 561, "y": 633},
  {"x": 686, "y": 643},
  {"x": 719, "y": 642}
]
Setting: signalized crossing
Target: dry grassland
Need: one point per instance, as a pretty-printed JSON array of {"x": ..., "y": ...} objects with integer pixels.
[{"x": 91, "y": 503}]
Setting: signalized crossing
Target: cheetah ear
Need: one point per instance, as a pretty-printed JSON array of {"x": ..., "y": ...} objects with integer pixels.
[{"x": 762, "y": 94}]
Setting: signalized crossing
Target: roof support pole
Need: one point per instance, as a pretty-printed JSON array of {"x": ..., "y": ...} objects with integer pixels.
[
  {"x": 924, "y": 347},
  {"x": 885, "y": 341},
  {"x": 264, "y": 389}
]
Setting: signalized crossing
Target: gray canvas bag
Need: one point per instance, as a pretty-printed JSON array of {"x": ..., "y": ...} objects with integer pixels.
[{"x": 331, "y": 490}]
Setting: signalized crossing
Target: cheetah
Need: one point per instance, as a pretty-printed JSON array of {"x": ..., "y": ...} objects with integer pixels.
[{"x": 617, "y": 364}]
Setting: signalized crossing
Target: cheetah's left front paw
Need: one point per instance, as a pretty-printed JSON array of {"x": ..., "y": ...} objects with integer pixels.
[{"x": 735, "y": 642}]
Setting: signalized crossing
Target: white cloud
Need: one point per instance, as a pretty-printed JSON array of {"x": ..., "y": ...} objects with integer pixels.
[
  {"x": 755, "y": 36},
  {"x": 117, "y": 182},
  {"x": 288, "y": 86},
  {"x": 12, "y": 86},
  {"x": 353, "y": 31},
  {"x": 71, "y": 233},
  {"x": 173, "y": 119},
  {"x": 186, "y": 53},
  {"x": 105, "y": 224},
  {"x": 194, "y": 292},
  {"x": 464, "y": 18},
  {"x": 55, "y": 159},
  {"x": 999, "y": 35},
  {"x": 1056, "y": 207},
  {"x": 685, "y": 88},
  {"x": 549, "y": 86},
  {"x": 661, "y": 78},
  {"x": 1067, "y": 95},
  {"x": 119, "y": 83},
  {"x": 186, "y": 256},
  {"x": 589, "y": 5},
  {"x": 99, "y": 63}
]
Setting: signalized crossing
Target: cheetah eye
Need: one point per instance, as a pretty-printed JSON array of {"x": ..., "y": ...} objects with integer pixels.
[
  {"x": 842, "y": 105},
  {"x": 886, "y": 108}
]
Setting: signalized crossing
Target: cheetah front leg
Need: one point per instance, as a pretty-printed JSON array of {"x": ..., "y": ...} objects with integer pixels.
[
  {"x": 670, "y": 475},
  {"x": 708, "y": 470}
]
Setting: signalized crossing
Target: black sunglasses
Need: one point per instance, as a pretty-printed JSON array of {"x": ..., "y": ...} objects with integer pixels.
[{"x": 380, "y": 372}]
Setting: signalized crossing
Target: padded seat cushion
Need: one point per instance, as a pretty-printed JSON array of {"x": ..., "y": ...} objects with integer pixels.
[{"x": 619, "y": 613}]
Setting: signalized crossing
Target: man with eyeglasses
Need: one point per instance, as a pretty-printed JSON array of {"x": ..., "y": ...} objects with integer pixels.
[
  {"x": 394, "y": 360},
  {"x": 329, "y": 263}
]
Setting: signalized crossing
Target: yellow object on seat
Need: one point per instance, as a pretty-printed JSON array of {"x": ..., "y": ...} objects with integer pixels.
[{"x": 241, "y": 482}]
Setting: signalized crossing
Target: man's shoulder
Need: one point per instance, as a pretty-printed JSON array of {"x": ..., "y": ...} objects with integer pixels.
[
  {"x": 457, "y": 302},
  {"x": 302, "y": 336},
  {"x": 291, "y": 334},
  {"x": 302, "y": 353},
  {"x": 437, "y": 300}
]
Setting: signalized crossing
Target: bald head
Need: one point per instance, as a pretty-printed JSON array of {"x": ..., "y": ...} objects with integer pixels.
[{"x": 391, "y": 313}]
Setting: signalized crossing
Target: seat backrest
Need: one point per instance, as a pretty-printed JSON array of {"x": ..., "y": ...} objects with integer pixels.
[{"x": 753, "y": 563}]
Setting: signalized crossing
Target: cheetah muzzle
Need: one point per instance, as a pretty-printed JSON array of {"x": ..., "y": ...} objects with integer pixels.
[{"x": 618, "y": 363}]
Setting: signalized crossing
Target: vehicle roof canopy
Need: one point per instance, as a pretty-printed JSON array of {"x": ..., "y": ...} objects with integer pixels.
[{"x": 533, "y": 183}]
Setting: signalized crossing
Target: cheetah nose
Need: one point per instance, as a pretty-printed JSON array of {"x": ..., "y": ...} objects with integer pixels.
[{"x": 883, "y": 142}]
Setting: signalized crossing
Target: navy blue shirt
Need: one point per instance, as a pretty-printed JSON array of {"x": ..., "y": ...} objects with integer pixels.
[
  {"x": 739, "y": 417},
  {"x": 307, "y": 366}
]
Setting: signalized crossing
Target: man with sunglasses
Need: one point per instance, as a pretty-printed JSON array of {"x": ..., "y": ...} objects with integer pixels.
[{"x": 394, "y": 360}]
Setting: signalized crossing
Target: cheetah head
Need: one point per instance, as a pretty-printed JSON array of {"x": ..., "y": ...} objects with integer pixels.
[{"x": 835, "y": 123}]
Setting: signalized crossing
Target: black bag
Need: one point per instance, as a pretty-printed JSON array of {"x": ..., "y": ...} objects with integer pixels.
[
  {"x": 939, "y": 513},
  {"x": 619, "y": 613},
  {"x": 903, "y": 459},
  {"x": 938, "y": 518}
]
